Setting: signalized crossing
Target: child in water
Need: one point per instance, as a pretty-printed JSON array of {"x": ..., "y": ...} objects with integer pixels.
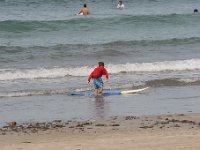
[
  {"x": 96, "y": 76},
  {"x": 120, "y": 5}
]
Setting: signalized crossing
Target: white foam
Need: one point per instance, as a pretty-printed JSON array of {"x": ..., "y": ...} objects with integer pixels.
[
  {"x": 192, "y": 80},
  {"x": 179, "y": 65},
  {"x": 16, "y": 74}
]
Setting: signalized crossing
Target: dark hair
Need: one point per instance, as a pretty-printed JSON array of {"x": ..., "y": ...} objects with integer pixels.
[
  {"x": 195, "y": 10},
  {"x": 101, "y": 64},
  {"x": 85, "y": 5}
]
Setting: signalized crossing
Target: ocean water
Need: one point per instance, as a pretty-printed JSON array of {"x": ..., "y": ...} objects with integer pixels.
[{"x": 46, "y": 50}]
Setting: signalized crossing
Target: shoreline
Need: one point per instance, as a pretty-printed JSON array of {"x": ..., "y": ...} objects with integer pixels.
[{"x": 177, "y": 131}]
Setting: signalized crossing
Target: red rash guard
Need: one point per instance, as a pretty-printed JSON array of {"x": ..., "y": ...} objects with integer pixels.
[{"x": 98, "y": 72}]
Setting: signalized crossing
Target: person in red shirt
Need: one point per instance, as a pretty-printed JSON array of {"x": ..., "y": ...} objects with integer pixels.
[{"x": 96, "y": 76}]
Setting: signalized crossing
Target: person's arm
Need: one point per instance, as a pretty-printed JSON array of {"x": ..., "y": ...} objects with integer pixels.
[
  {"x": 89, "y": 78},
  {"x": 106, "y": 74},
  {"x": 81, "y": 11}
]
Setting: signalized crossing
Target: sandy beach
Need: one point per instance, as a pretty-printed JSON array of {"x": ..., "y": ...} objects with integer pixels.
[{"x": 179, "y": 131}]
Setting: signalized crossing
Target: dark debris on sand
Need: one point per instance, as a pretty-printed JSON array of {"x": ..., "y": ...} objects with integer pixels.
[{"x": 116, "y": 123}]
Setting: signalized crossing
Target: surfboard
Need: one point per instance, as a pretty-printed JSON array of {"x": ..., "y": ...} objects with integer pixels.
[
  {"x": 81, "y": 14},
  {"x": 108, "y": 92}
]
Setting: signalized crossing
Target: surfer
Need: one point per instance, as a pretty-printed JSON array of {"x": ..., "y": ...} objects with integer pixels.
[
  {"x": 84, "y": 11},
  {"x": 96, "y": 76},
  {"x": 120, "y": 5}
]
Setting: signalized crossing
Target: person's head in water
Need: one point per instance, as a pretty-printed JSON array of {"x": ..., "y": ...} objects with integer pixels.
[
  {"x": 85, "y": 5},
  {"x": 195, "y": 10},
  {"x": 120, "y": 2},
  {"x": 101, "y": 64}
]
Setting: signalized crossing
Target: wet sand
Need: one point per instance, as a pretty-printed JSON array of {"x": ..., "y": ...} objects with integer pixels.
[{"x": 179, "y": 132}]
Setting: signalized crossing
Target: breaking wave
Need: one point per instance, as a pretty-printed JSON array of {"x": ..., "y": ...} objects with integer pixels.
[{"x": 46, "y": 73}]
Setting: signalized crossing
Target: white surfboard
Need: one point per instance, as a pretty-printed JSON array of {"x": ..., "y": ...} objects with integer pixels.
[
  {"x": 133, "y": 91},
  {"x": 81, "y": 14}
]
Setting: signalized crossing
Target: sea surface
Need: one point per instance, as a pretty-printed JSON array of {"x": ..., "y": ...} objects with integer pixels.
[{"x": 47, "y": 50}]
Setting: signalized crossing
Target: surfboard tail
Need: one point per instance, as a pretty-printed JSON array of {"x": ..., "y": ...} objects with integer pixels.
[{"x": 134, "y": 91}]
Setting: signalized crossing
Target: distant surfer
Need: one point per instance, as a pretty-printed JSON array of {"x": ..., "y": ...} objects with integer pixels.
[
  {"x": 120, "y": 5},
  {"x": 84, "y": 11},
  {"x": 96, "y": 76},
  {"x": 195, "y": 11}
]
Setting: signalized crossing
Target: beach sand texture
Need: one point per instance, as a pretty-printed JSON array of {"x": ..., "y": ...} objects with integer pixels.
[{"x": 177, "y": 132}]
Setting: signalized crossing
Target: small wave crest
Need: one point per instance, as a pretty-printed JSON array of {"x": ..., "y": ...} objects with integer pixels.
[
  {"x": 108, "y": 48},
  {"x": 45, "y": 73},
  {"x": 173, "y": 82},
  {"x": 18, "y": 26},
  {"x": 173, "y": 41},
  {"x": 42, "y": 73},
  {"x": 178, "y": 65}
]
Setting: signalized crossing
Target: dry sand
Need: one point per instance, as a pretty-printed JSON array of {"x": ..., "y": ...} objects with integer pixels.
[{"x": 170, "y": 132}]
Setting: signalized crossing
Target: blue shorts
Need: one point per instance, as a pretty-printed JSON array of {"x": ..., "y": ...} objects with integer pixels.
[{"x": 98, "y": 83}]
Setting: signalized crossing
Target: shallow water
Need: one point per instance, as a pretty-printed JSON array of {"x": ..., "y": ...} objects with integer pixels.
[{"x": 154, "y": 101}]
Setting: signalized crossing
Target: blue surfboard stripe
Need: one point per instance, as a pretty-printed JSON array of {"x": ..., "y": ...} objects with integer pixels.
[{"x": 90, "y": 93}]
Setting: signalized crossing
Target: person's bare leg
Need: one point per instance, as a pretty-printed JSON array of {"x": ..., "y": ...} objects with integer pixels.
[
  {"x": 100, "y": 91},
  {"x": 96, "y": 91}
]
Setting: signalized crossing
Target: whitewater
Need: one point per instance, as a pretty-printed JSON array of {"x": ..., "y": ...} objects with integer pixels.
[{"x": 46, "y": 73}]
